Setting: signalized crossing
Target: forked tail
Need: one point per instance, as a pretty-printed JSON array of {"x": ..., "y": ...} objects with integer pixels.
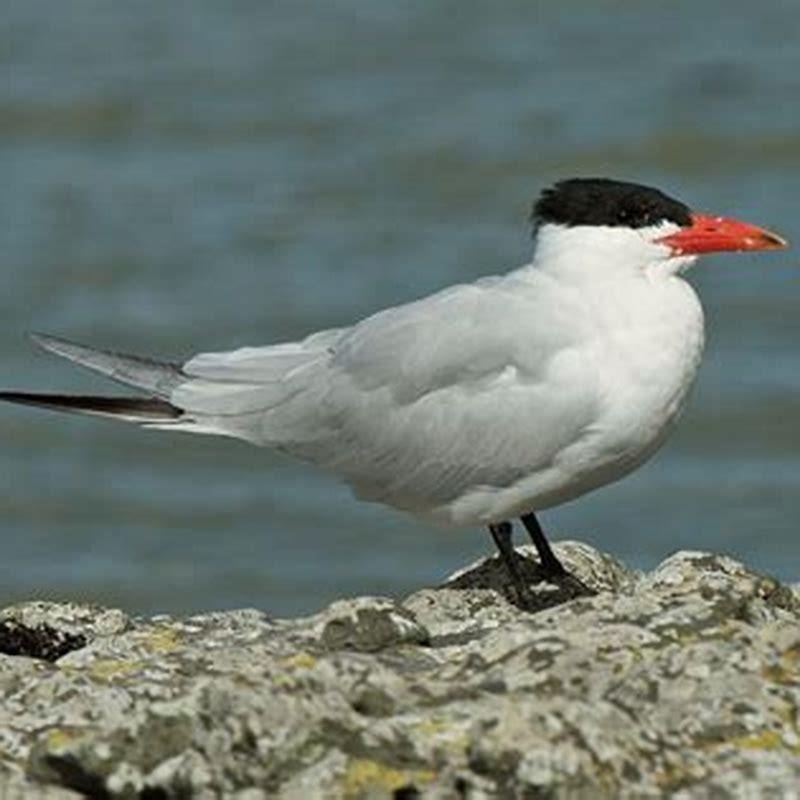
[
  {"x": 144, "y": 410},
  {"x": 156, "y": 378}
]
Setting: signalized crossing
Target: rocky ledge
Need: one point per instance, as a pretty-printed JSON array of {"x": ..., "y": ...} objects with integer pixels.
[{"x": 682, "y": 682}]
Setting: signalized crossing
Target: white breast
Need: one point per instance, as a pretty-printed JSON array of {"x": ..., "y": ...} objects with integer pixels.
[{"x": 640, "y": 360}]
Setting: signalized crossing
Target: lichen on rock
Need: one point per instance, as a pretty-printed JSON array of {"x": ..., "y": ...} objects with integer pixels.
[{"x": 684, "y": 682}]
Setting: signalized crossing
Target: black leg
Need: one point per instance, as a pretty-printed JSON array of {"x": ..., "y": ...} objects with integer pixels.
[
  {"x": 550, "y": 564},
  {"x": 501, "y": 533}
]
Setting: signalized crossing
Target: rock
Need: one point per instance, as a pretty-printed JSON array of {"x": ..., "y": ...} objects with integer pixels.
[{"x": 682, "y": 682}]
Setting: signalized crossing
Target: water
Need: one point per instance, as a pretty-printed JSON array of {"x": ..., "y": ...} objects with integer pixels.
[{"x": 204, "y": 175}]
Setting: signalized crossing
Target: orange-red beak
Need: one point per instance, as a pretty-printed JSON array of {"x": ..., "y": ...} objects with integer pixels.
[{"x": 709, "y": 234}]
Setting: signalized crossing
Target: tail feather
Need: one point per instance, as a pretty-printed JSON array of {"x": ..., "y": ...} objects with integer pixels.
[
  {"x": 224, "y": 403},
  {"x": 157, "y": 377},
  {"x": 144, "y": 410}
]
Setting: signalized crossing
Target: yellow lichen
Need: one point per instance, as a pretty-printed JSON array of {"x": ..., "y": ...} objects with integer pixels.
[
  {"x": 301, "y": 660},
  {"x": 162, "y": 640},
  {"x": 432, "y": 726},
  {"x": 764, "y": 740},
  {"x": 59, "y": 738},
  {"x": 285, "y": 682},
  {"x": 364, "y": 777},
  {"x": 107, "y": 669},
  {"x": 760, "y": 740},
  {"x": 787, "y": 670}
]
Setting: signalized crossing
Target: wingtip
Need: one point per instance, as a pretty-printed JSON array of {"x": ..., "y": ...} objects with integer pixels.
[
  {"x": 41, "y": 339},
  {"x": 55, "y": 344}
]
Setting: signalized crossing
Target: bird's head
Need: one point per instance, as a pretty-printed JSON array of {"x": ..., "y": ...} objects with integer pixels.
[{"x": 591, "y": 224}]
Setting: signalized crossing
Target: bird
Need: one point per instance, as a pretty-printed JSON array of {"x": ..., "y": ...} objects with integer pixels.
[{"x": 484, "y": 402}]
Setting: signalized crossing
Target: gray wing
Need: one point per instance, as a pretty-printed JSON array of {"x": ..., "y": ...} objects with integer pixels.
[
  {"x": 475, "y": 386},
  {"x": 418, "y": 402}
]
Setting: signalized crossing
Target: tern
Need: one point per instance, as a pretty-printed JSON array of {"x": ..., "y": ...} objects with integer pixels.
[{"x": 481, "y": 403}]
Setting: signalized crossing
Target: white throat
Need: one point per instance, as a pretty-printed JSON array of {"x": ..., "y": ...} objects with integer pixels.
[{"x": 589, "y": 253}]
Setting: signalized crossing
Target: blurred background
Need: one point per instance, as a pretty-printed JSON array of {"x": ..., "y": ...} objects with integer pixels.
[{"x": 201, "y": 175}]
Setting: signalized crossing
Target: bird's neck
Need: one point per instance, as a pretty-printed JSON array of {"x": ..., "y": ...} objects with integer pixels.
[{"x": 596, "y": 255}]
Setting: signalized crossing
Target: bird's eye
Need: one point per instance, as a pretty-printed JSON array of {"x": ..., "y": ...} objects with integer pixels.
[{"x": 635, "y": 217}]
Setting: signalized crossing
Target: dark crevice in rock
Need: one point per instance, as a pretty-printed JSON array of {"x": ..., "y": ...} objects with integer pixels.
[
  {"x": 72, "y": 775},
  {"x": 153, "y": 794},
  {"x": 42, "y": 641},
  {"x": 157, "y": 793},
  {"x": 409, "y": 792}
]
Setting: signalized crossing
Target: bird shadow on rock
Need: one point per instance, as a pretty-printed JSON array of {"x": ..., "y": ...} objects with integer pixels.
[{"x": 545, "y": 590}]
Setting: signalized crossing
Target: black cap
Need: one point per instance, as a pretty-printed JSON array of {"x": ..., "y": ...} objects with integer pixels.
[{"x": 601, "y": 201}]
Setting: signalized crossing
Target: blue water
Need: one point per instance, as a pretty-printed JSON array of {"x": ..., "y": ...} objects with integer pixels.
[{"x": 198, "y": 175}]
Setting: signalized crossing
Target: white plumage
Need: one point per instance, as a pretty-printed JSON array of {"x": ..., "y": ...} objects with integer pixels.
[{"x": 485, "y": 401}]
